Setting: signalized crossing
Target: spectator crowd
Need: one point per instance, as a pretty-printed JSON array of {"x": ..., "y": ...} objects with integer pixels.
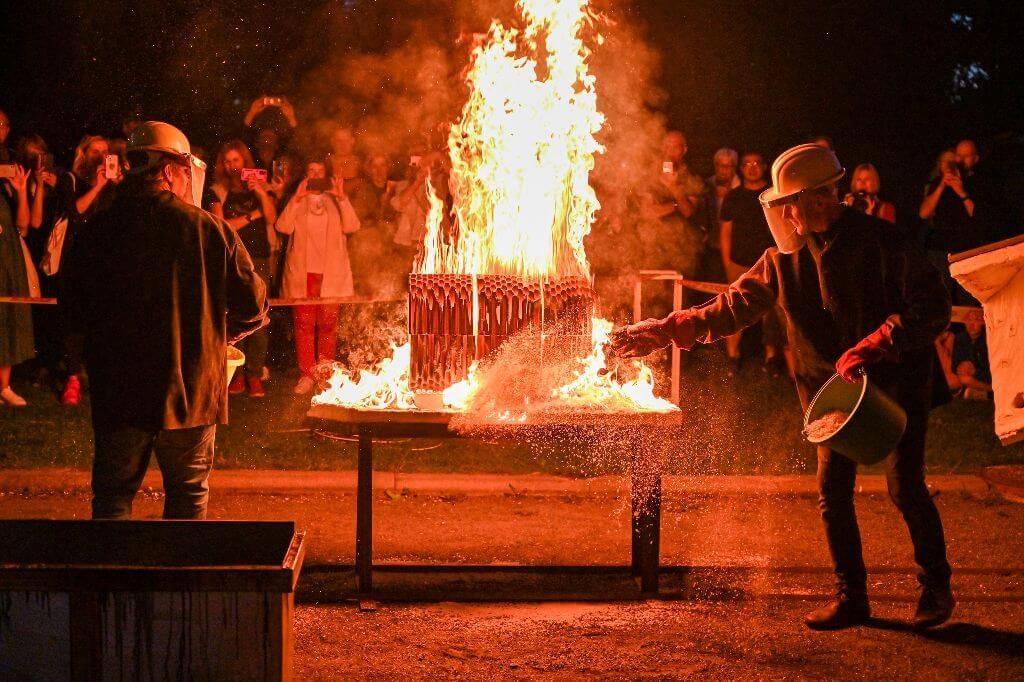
[{"x": 343, "y": 220}]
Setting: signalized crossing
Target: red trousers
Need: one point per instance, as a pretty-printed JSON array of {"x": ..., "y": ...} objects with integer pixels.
[{"x": 315, "y": 324}]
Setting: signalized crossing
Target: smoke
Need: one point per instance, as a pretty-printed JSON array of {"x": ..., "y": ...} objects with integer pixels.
[
  {"x": 623, "y": 241},
  {"x": 401, "y": 94}
]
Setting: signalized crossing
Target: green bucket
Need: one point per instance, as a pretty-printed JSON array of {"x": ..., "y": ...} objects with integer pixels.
[{"x": 874, "y": 426}]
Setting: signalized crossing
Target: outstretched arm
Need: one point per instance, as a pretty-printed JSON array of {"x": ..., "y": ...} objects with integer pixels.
[{"x": 747, "y": 300}]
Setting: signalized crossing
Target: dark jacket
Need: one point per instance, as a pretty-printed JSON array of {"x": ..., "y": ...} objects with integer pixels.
[
  {"x": 159, "y": 288},
  {"x": 840, "y": 287}
]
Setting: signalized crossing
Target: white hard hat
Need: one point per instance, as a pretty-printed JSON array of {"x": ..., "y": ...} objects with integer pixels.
[
  {"x": 797, "y": 170},
  {"x": 159, "y": 138}
]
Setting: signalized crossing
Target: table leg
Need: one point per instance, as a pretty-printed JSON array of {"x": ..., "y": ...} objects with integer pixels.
[
  {"x": 650, "y": 539},
  {"x": 645, "y": 492},
  {"x": 364, "y": 514},
  {"x": 635, "y": 530}
]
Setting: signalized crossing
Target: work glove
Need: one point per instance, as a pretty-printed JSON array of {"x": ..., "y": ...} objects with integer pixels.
[
  {"x": 875, "y": 347},
  {"x": 643, "y": 338}
]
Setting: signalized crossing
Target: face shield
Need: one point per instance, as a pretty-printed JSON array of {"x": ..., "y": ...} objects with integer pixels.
[
  {"x": 197, "y": 180},
  {"x": 783, "y": 229}
]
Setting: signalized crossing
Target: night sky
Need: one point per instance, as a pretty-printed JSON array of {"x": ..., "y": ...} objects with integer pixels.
[{"x": 890, "y": 82}]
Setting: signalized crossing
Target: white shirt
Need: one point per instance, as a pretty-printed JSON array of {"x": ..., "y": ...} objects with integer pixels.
[{"x": 316, "y": 226}]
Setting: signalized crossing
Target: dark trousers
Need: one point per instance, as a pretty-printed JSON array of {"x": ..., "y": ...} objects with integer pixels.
[
  {"x": 255, "y": 345},
  {"x": 122, "y": 456},
  {"x": 905, "y": 477}
]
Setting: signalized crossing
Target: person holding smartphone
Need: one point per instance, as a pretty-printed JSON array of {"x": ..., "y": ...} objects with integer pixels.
[
  {"x": 250, "y": 210},
  {"x": 318, "y": 220},
  {"x": 17, "y": 278},
  {"x": 82, "y": 193}
]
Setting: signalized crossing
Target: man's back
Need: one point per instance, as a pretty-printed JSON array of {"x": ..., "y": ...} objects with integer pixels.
[{"x": 158, "y": 287}]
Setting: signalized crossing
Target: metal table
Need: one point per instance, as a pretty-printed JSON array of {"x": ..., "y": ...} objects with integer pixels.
[{"x": 645, "y": 490}]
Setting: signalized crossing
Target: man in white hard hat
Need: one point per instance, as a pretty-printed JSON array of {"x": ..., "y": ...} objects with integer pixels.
[
  {"x": 158, "y": 288},
  {"x": 855, "y": 297}
]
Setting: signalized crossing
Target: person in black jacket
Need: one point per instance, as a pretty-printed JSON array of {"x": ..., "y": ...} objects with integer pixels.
[
  {"x": 158, "y": 288},
  {"x": 855, "y": 295}
]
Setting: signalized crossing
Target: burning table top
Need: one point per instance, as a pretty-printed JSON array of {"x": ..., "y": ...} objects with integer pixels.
[{"x": 513, "y": 385}]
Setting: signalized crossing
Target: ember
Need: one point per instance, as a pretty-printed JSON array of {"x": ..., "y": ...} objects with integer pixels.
[{"x": 826, "y": 425}]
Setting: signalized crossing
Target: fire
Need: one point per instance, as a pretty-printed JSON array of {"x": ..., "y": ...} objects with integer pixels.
[
  {"x": 383, "y": 389},
  {"x": 594, "y": 385},
  {"x": 592, "y": 388},
  {"x": 521, "y": 155},
  {"x": 522, "y": 151}
]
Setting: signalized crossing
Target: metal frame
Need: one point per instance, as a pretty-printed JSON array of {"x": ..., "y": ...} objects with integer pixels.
[{"x": 645, "y": 491}]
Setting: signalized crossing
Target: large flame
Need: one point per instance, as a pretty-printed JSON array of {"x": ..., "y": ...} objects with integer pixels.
[
  {"x": 592, "y": 387},
  {"x": 522, "y": 151},
  {"x": 521, "y": 154}
]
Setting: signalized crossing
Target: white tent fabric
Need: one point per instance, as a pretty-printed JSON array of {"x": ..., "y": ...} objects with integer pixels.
[{"x": 995, "y": 276}]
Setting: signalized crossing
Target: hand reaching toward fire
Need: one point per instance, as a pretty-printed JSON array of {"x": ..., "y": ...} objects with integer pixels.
[{"x": 642, "y": 338}]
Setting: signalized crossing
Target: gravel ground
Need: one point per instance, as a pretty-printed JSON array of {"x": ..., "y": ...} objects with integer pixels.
[
  {"x": 757, "y": 639},
  {"x": 742, "y": 567}
]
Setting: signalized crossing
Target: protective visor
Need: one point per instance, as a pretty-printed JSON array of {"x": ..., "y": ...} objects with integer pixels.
[
  {"x": 195, "y": 166},
  {"x": 197, "y": 179},
  {"x": 783, "y": 230}
]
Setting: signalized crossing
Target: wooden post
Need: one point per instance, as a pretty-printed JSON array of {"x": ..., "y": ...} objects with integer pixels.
[
  {"x": 677, "y": 304},
  {"x": 638, "y": 293},
  {"x": 364, "y": 513}
]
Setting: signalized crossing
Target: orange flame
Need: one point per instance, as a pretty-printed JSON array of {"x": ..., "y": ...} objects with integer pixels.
[
  {"x": 383, "y": 389},
  {"x": 590, "y": 389},
  {"x": 521, "y": 154},
  {"x": 522, "y": 151}
]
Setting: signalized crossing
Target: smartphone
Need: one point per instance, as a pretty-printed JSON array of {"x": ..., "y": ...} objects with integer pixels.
[
  {"x": 318, "y": 184},
  {"x": 272, "y": 101},
  {"x": 254, "y": 174},
  {"x": 7, "y": 170},
  {"x": 415, "y": 160},
  {"x": 667, "y": 167},
  {"x": 111, "y": 166}
]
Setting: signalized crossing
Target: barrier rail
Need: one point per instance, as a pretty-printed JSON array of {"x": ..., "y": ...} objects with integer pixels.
[
  {"x": 679, "y": 283},
  {"x": 274, "y": 302}
]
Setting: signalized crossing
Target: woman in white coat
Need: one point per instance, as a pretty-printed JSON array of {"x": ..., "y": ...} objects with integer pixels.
[{"x": 318, "y": 218}]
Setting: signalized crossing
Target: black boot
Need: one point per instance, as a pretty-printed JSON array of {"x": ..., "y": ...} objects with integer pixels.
[
  {"x": 846, "y": 610},
  {"x": 935, "y": 606}
]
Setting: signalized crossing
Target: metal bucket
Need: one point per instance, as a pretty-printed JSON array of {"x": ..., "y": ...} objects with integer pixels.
[
  {"x": 236, "y": 359},
  {"x": 874, "y": 426}
]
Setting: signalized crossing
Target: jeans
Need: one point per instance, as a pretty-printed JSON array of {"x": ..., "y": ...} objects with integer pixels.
[
  {"x": 122, "y": 456},
  {"x": 904, "y": 470}
]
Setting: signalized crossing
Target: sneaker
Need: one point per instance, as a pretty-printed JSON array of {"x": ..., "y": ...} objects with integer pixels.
[
  {"x": 72, "y": 391},
  {"x": 846, "y": 610},
  {"x": 305, "y": 385},
  {"x": 256, "y": 388},
  {"x": 11, "y": 398},
  {"x": 237, "y": 384},
  {"x": 935, "y": 606}
]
